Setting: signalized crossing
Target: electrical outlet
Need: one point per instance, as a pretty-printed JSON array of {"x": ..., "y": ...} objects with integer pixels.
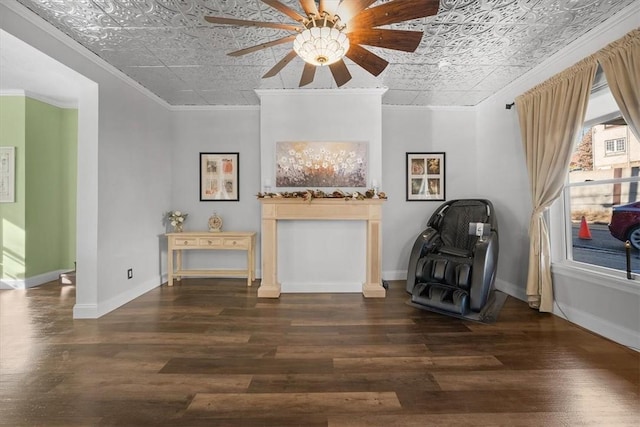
[{"x": 130, "y": 273}]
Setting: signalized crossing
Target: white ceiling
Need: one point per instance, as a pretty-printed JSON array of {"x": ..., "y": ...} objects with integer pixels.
[{"x": 168, "y": 47}]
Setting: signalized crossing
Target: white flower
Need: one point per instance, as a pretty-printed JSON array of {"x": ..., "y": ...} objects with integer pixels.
[{"x": 176, "y": 217}]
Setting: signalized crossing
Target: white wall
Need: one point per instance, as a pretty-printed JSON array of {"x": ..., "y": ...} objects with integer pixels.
[
  {"x": 124, "y": 169},
  {"x": 321, "y": 255},
  {"x": 235, "y": 129},
  {"x": 421, "y": 129},
  {"x": 601, "y": 303},
  {"x": 403, "y": 129}
]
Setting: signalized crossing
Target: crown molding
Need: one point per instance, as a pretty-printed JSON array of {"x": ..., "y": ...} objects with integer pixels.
[
  {"x": 60, "y": 103},
  {"x": 214, "y": 108},
  {"x": 398, "y": 107},
  {"x": 12, "y": 92},
  {"x": 329, "y": 92}
]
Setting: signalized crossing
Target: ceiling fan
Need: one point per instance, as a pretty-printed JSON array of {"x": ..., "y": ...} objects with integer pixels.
[{"x": 332, "y": 29}]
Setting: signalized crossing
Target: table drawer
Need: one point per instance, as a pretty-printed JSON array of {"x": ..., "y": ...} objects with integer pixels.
[
  {"x": 232, "y": 243},
  {"x": 185, "y": 241},
  {"x": 213, "y": 242}
]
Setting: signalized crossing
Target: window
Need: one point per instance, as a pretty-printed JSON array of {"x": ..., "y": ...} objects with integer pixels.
[
  {"x": 602, "y": 204},
  {"x": 615, "y": 146}
]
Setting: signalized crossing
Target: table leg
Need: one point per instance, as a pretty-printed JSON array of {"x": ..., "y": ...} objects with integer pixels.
[
  {"x": 249, "y": 263},
  {"x": 179, "y": 263},
  {"x": 170, "y": 267}
]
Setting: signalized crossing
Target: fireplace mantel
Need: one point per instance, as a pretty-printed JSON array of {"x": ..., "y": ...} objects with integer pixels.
[{"x": 279, "y": 209}]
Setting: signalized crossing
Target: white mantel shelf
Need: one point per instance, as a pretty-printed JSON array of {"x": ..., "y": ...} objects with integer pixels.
[{"x": 327, "y": 209}]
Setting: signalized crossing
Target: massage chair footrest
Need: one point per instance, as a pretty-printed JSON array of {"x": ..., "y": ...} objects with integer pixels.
[{"x": 443, "y": 297}]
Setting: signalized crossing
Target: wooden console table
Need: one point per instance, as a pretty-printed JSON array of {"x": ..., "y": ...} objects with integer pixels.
[
  {"x": 282, "y": 209},
  {"x": 224, "y": 240}
]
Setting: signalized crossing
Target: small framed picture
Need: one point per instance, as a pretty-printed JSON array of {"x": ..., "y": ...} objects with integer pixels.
[
  {"x": 219, "y": 177},
  {"x": 425, "y": 176},
  {"x": 7, "y": 174}
]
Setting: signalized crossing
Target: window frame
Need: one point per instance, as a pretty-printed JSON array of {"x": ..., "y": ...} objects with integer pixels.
[
  {"x": 561, "y": 238},
  {"x": 615, "y": 142}
]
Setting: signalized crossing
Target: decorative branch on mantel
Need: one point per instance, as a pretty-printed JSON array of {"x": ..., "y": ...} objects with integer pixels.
[{"x": 309, "y": 195}]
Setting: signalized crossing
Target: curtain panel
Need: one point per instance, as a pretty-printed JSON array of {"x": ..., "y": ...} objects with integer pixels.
[
  {"x": 551, "y": 116},
  {"x": 620, "y": 62}
]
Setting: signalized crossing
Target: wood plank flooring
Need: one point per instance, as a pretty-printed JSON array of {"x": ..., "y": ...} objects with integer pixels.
[{"x": 208, "y": 352}]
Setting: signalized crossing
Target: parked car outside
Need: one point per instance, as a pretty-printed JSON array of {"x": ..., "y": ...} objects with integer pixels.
[{"x": 625, "y": 223}]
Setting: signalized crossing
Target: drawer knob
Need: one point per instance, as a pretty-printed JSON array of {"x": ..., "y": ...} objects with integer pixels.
[{"x": 186, "y": 242}]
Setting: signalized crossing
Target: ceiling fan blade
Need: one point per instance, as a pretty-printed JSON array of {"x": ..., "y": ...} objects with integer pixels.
[
  {"x": 280, "y": 65},
  {"x": 329, "y": 6},
  {"x": 350, "y": 8},
  {"x": 276, "y": 4},
  {"x": 407, "y": 41},
  {"x": 367, "y": 59},
  {"x": 340, "y": 72},
  {"x": 308, "y": 74},
  {"x": 309, "y": 7},
  {"x": 242, "y": 22},
  {"x": 393, "y": 12},
  {"x": 262, "y": 46}
]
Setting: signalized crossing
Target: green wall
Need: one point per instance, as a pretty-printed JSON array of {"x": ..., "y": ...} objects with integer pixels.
[
  {"x": 12, "y": 215},
  {"x": 48, "y": 193}
]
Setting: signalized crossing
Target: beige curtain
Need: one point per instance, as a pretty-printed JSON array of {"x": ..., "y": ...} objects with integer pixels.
[
  {"x": 551, "y": 116},
  {"x": 620, "y": 62}
]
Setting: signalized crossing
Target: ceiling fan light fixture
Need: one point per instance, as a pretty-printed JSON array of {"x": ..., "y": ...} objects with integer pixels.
[{"x": 321, "y": 43}]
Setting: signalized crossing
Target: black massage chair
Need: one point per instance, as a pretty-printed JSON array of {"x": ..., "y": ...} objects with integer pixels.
[{"x": 453, "y": 263}]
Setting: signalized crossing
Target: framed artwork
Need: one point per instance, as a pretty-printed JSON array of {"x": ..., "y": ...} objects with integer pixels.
[
  {"x": 321, "y": 164},
  {"x": 219, "y": 177},
  {"x": 7, "y": 174},
  {"x": 425, "y": 176}
]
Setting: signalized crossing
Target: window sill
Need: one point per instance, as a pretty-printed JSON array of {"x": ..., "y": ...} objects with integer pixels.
[{"x": 601, "y": 276}]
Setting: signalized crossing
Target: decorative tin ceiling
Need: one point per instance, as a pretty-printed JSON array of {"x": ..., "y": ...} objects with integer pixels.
[{"x": 470, "y": 49}]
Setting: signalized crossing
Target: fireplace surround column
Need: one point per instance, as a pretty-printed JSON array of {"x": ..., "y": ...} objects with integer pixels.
[{"x": 284, "y": 209}]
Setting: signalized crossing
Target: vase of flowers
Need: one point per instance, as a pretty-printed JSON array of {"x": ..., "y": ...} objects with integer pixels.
[{"x": 176, "y": 219}]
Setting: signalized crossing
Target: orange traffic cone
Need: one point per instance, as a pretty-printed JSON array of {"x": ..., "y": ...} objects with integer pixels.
[{"x": 584, "y": 232}]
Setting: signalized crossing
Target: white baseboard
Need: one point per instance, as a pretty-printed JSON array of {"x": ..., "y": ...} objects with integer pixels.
[
  {"x": 598, "y": 325},
  {"x": 614, "y": 332},
  {"x": 12, "y": 284},
  {"x": 31, "y": 282},
  {"x": 329, "y": 287},
  {"x": 85, "y": 311},
  {"x": 94, "y": 311},
  {"x": 394, "y": 275},
  {"x": 511, "y": 289}
]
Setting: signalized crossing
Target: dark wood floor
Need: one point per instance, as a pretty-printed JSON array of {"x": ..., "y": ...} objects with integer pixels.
[{"x": 209, "y": 353}]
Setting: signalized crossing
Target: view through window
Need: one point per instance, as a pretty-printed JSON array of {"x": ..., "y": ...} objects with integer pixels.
[{"x": 602, "y": 196}]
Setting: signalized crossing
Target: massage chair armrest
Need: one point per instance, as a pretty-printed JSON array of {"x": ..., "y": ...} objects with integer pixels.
[
  {"x": 424, "y": 243},
  {"x": 485, "y": 260}
]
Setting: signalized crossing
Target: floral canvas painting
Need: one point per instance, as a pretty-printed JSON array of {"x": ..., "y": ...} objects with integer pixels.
[{"x": 321, "y": 164}]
